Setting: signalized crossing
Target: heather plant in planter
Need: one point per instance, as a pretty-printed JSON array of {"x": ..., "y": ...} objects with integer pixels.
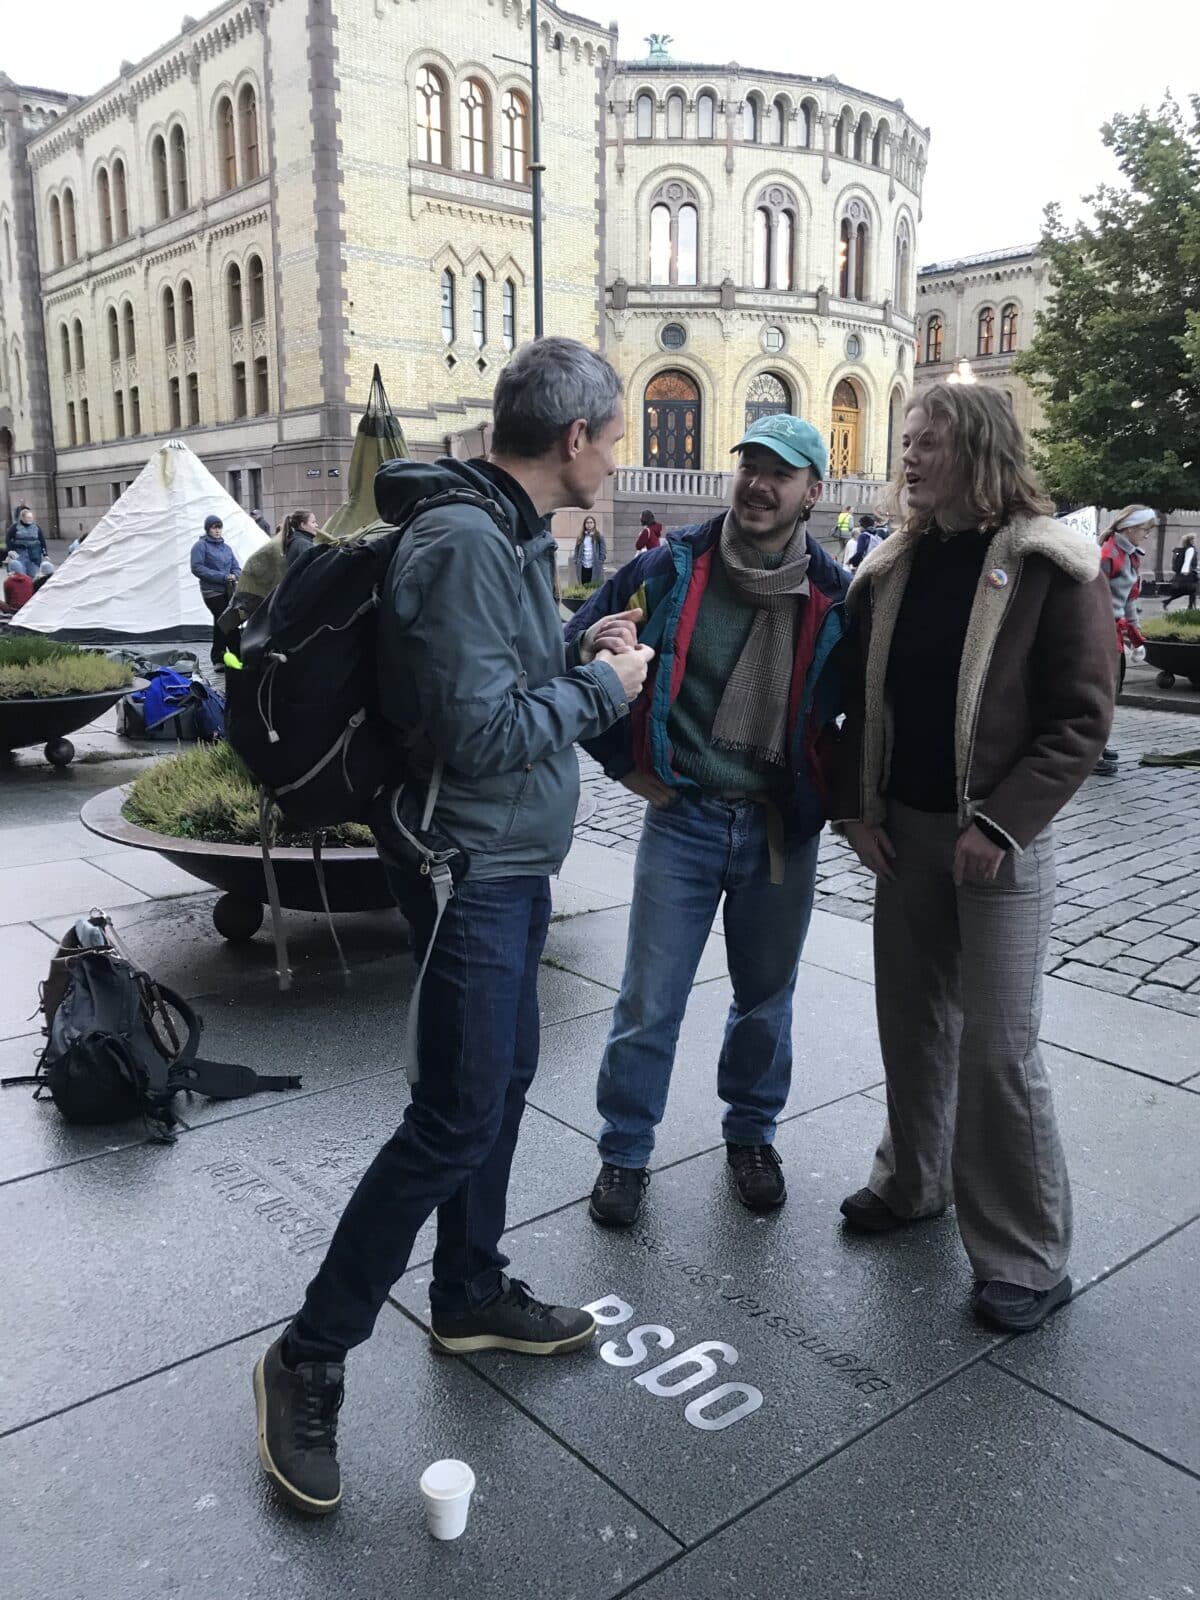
[{"x": 41, "y": 669}]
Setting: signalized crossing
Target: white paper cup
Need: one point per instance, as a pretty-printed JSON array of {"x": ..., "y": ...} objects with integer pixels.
[{"x": 446, "y": 1488}]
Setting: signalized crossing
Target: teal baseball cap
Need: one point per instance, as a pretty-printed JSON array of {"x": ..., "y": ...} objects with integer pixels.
[{"x": 795, "y": 441}]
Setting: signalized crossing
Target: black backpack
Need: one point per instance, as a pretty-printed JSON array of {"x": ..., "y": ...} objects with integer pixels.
[{"x": 114, "y": 1049}]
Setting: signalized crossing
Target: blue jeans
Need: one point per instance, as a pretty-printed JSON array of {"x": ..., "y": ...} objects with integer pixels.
[
  {"x": 689, "y": 855},
  {"x": 453, "y": 1150}
]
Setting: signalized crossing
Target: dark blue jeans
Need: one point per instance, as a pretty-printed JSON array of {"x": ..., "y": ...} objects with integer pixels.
[{"x": 453, "y": 1150}]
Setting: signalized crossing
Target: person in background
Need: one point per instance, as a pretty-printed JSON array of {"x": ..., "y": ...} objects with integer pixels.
[
  {"x": 215, "y": 568},
  {"x": 981, "y": 695},
  {"x": 18, "y": 589},
  {"x": 27, "y": 541},
  {"x": 265, "y": 568},
  {"x": 845, "y": 522},
  {"x": 1121, "y": 565},
  {"x": 865, "y": 540},
  {"x": 45, "y": 571},
  {"x": 257, "y": 516},
  {"x": 1184, "y": 581},
  {"x": 591, "y": 553},
  {"x": 652, "y": 533}
]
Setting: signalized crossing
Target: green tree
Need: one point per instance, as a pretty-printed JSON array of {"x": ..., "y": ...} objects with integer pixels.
[{"x": 1116, "y": 355}]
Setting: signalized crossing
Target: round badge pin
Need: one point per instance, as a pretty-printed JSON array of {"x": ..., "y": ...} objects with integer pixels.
[{"x": 998, "y": 578}]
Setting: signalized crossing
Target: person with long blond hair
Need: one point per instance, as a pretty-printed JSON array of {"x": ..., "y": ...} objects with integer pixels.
[{"x": 981, "y": 695}]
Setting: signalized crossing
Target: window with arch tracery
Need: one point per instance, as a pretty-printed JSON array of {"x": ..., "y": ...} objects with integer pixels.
[
  {"x": 674, "y": 234},
  {"x": 159, "y": 181},
  {"x": 120, "y": 194},
  {"x": 431, "y": 117},
  {"x": 130, "y": 332},
  {"x": 226, "y": 144},
  {"x": 258, "y": 290},
  {"x": 706, "y": 116},
  {"x": 768, "y": 396},
  {"x": 985, "y": 342},
  {"x": 187, "y": 309},
  {"x": 472, "y": 127},
  {"x": 70, "y": 235},
  {"x": 752, "y": 119},
  {"x": 514, "y": 150},
  {"x": 56, "y": 234},
  {"x": 775, "y": 240},
  {"x": 1008, "y": 329},
  {"x": 903, "y": 265},
  {"x": 248, "y": 125},
  {"x": 643, "y": 112},
  {"x": 179, "y": 172},
  {"x": 114, "y": 335},
  {"x": 77, "y": 339},
  {"x": 170, "y": 327},
  {"x": 675, "y": 116},
  {"x": 233, "y": 296},
  {"x": 64, "y": 339},
  {"x": 104, "y": 207},
  {"x": 854, "y": 244},
  {"x": 933, "y": 339}
]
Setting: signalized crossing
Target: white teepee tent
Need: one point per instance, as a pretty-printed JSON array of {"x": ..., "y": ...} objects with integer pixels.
[{"x": 131, "y": 578}]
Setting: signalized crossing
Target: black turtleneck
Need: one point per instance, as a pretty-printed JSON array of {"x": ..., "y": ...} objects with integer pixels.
[{"x": 923, "y": 667}]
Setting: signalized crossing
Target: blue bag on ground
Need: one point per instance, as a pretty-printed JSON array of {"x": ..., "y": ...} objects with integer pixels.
[{"x": 173, "y": 707}]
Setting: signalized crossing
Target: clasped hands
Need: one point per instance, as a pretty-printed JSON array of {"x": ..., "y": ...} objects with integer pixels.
[{"x": 614, "y": 639}]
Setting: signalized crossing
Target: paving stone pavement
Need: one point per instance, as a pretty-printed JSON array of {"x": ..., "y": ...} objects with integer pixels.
[
  {"x": 1128, "y": 852},
  {"x": 772, "y": 1407}
]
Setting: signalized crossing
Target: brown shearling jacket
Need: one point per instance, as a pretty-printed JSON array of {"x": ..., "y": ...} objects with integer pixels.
[{"x": 1035, "y": 689}]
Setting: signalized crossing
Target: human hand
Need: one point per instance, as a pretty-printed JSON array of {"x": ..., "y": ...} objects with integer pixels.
[
  {"x": 650, "y": 788},
  {"x": 616, "y": 633},
  {"x": 872, "y": 847},
  {"x": 976, "y": 858},
  {"x": 630, "y": 666}
]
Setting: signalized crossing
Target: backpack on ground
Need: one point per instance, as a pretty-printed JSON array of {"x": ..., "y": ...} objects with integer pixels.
[
  {"x": 303, "y": 712},
  {"x": 173, "y": 707},
  {"x": 119, "y": 1045}
]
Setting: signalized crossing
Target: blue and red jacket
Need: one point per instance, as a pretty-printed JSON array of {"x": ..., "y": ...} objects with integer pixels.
[{"x": 668, "y": 584}]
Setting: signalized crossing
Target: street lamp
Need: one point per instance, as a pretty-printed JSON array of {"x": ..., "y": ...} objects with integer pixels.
[{"x": 962, "y": 372}]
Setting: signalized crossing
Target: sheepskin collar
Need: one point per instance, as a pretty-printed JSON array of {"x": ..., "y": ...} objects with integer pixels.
[{"x": 1076, "y": 554}]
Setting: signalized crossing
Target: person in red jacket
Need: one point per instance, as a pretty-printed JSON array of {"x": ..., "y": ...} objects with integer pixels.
[
  {"x": 18, "y": 588},
  {"x": 651, "y": 535}
]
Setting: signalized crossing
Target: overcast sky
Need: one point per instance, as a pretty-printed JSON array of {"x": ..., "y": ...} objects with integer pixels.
[{"x": 1013, "y": 92}]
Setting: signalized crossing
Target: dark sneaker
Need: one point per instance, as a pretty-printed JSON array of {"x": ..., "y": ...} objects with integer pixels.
[
  {"x": 617, "y": 1195},
  {"x": 515, "y": 1321},
  {"x": 1013, "y": 1309},
  {"x": 1108, "y": 764},
  {"x": 758, "y": 1173},
  {"x": 865, "y": 1212},
  {"x": 297, "y": 1428}
]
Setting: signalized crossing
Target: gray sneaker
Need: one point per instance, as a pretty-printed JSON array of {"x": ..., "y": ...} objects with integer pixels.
[
  {"x": 297, "y": 1428},
  {"x": 514, "y": 1320}
]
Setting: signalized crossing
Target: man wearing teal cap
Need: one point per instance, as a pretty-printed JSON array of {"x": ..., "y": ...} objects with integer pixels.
[{"x": 728, "y": 742}]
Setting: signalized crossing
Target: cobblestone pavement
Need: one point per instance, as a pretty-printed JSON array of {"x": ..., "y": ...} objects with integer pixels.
[{"x": 1128, "y": 915}]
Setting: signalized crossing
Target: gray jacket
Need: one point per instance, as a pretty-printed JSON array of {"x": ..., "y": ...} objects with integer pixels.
[{"x": 473, "y": 667}]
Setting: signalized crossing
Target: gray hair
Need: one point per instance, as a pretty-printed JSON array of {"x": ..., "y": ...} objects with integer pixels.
[{"x": 545, "y": 387}]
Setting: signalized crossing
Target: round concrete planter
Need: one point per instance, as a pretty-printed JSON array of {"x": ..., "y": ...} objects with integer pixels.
[
  {"x": 45, "y": 721},
  {"x": 354, "y": 878}
]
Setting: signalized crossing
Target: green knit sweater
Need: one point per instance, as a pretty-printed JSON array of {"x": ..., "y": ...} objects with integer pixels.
[{"x": 722, "y": 628}]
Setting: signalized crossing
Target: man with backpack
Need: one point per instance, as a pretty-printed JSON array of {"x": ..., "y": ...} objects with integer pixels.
[{"x": 478, "y": 688}]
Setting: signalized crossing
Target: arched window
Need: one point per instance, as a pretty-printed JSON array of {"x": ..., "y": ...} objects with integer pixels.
[
  {"x": 104, "y": 207},
  {"x": 894, "y": 431},
  {"x": 130, "y": 333},
  {"x": 478, "y": 311},
  {"x": 120, "y": 200},
  {"x": 644, "y": 115},
  {"x": 226, "y": 144},
  {"x": 262, "y": 386},
  {"x": 854, "y": 237},
  {"x": 72, "y": 434},
  {"x": 233, "y": 296},
  {"x": 879, "y": 143},
  {"x": 985, "y": 342},
  {"x": 179, "y": 172},
  {"x": 671, "y": 422},
  {"x": 85, "y": 422},
  {"x": 1008, "y": 329},
  {"x": 845, "y": 456},
  {"x": 752, "y": 119},
  {"x": 675, "y": 116},
  {"x": 862, "y": 138},
  {"x": 174, "y": 403},
  {"x": 193, "y": 397},
  {"x": 170, "y": 330},
  {"x": 933, "y": 339},
  {"x": 159, "y": 180},
  {"x": 674, "y": 234},
  {"x": 119, "y": 413},
  {"x": 258, "y": 290},
  {"x": 431, "y": 117},
  {"x": 903, "y": 266},
  {"x": 114, "y": 335},
  {"x": 514, "y": 123},
  {"x": 248, "y": 126},
  {"x": 767, "y": 396},
  {"x": 774, "y": 239},
  {"x": 77, "y": 336},
  {"x": 771, "y": 123},
  {"x": 7, "y": 255},
  {"x": 64, "y": 339},
  {"x": 509, "y": 314},
  {"x": 706, "y": 116},
  {"x": 187, "y": 307},
  {"x": 449, "y": 310},
  {"x": 809, "y": 112},
  {"x": 70, "y": 236},
  {"x": 473, "y": 127},
  {"x": 843, "y": 132}
]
